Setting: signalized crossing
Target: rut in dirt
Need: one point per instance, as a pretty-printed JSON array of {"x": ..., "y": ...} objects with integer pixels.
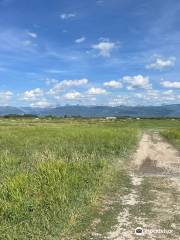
[{"x": 155, "y": 156}]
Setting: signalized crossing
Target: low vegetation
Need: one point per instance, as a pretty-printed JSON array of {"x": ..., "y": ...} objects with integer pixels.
[
  {"x": 172, "y": 135},
  {"x": 52, "y": 174}
]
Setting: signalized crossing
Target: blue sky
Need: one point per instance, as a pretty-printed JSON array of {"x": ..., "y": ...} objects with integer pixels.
[{"x": 98, "y": 52}]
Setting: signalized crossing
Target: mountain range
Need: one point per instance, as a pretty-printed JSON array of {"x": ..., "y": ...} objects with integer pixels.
[{"x": 97, "y": 111}]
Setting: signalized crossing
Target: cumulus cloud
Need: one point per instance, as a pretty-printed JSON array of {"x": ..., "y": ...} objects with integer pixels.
[
  {"x": 32, "y": 95},
  {"x": 65, "y": 16},
  {"x": 138, "y": 81},
  {"x": 113, "y": 84},
  {"x": 80, "y": 40},
  {"x": 5, "y": 97},
  {"x": 60, "y": 86},
  {"x": 72, "y": 95},
  {"x": 36, "y": 98},
  {"x": 157, "y": 97},
  {"x": 96, "y": 91},
  {"x": 168, "y": 92},
  {"x": 70, "y": 83},
  {"x": 150, "y": 94},
  {"x": 41, "y": 104},
  {"x": 105, "y": 48},
  {"x": 162, "y": 63},
  {"x": 120, "y": 100},
  {"x": 168, "y": 84}
]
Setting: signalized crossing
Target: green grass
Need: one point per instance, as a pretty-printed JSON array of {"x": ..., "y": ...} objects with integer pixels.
[
  {"x": 142, "y": 123},
  {"x": 53, "y": 173},
  {"x": 113, "y": 206},
  {"x": 172, "y": 135}
]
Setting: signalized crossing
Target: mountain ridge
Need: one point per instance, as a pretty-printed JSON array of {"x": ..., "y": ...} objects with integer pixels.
[{"x": 97, "y": 111}]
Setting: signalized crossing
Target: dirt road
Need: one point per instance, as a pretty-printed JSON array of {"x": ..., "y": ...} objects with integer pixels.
[{"x": 151, "y": 210}]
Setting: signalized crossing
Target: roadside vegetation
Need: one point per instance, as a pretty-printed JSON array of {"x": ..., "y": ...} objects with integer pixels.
[{"x": 172, "y": 135}]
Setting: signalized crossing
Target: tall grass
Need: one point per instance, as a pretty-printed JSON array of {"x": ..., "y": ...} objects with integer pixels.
[
  {"x": 51, "y": 175},
  {"x": 173, "y": 135}
]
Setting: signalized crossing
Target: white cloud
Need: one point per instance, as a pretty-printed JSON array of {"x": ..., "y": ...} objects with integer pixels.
[
  {"x": 72, "y": 95},
  {"x": 168, "y": 92},
  {"x": 157, "y": 97},
  {"x": 138, "y": 81},
  {"x": 32, "y": 95},
  {"x": 148, "y": 97},
  {"x": 151, "y": 94},
  {"x": 5, "y": 97},
  {"x": 32, "y": 34},
  {"x": 96, "y": 91},
  {"x": 54, "y": 91},
  {"x": 105, "y": 48},
  {"x": 60, "y": 86},
  {"x": 162, "y": 63},
  {"x": 51, "y": 81},
  {"x": 168, "y": 84},
  {"x": 120, "y": 100},
  {"x": 113, "y": 84},
  {"x": 41, "y": 104},
  {"x": 70, "y": 83},
  {"x": 80, "y": 40},
  {"x": 65, "y": 16}
]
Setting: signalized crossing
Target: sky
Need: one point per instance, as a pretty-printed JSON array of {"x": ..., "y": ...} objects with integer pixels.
[{"x": 98, "y": 52}]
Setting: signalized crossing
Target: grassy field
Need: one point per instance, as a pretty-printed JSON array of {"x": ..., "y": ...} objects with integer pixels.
[{"x": 53, "y": 172}]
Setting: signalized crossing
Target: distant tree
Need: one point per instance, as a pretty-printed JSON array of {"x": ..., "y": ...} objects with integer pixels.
[{"x": 20, "y": 116}]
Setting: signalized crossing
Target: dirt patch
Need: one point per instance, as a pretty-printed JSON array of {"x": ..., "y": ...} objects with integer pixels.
[{"x": 156, "y": 157}]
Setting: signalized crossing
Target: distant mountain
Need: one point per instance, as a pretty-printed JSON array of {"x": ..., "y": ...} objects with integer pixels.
[
  {"x": 98, "y": 111},
  {"x": 10, "y": 110}
]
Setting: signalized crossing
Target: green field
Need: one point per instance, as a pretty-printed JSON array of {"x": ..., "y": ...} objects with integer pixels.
[{"x": 55, "y": 172}]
